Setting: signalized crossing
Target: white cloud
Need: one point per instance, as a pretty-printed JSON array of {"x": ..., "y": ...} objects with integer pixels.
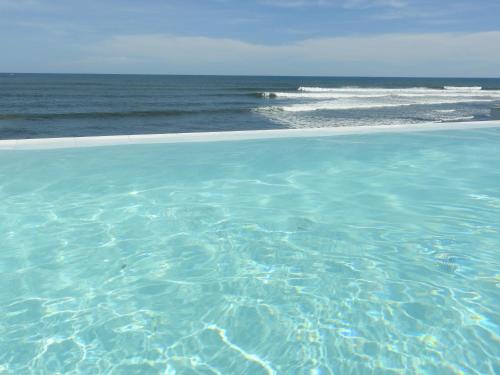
[{"x": 438, "y": 54}]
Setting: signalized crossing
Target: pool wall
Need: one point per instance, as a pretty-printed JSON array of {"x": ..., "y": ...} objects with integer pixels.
[{"x": 70, "y": 142}]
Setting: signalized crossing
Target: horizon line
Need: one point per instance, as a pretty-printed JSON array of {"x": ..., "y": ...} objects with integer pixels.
[{"x": 247, "y": 75}]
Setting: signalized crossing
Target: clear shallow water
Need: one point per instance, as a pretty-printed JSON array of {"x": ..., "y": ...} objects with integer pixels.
[
  {"x": 354, "y": 254},
  {"x": 63, "y": 105}
]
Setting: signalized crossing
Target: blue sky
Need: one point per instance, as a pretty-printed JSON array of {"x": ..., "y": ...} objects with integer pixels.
[{"x": 296, "y": 37}]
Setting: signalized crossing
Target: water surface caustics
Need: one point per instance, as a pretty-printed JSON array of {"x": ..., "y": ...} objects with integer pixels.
[{"x": 339, "y": 255}]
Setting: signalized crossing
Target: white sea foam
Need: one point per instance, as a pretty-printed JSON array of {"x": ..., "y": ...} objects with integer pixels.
[
  {"x": 363, "y": 89},
  {"x": 350, "y": 88},
  {"x": 320, "y": 93},
  {"x": 459, "y": 118},
  {"x": 341, "y": 98},
  {"x": 415, "y": 90},
  {"x": 297, "y": 109},
  {"x": 463, "y": 88},
  {"x": 352, "y": 104},
  {"x": 379, "y": 94}
]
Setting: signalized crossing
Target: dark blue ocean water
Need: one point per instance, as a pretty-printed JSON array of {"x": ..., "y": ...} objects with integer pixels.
[{"x": 47, "y": 105}]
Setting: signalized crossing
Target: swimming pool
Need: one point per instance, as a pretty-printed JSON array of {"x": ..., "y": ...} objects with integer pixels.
[{"x": 366, "y": 253}]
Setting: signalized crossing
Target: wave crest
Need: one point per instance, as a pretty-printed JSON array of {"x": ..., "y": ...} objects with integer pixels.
[
  {"x": 346, "y": 105},
  {"x": 463, "y": 88},
  {"x": 367, "y": 96}
]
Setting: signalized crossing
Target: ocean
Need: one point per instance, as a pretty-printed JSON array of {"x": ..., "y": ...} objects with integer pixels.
[{"x": 68, "y": 105}]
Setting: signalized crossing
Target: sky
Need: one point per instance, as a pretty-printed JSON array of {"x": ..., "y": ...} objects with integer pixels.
[{"x": 428, "y": 38}]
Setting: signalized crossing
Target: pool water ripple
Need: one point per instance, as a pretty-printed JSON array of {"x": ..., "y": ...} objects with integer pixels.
[{"x": 357, "y": 254}]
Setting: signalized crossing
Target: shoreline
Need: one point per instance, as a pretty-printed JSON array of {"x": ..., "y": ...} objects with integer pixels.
[{"x": 111, "y": 140}]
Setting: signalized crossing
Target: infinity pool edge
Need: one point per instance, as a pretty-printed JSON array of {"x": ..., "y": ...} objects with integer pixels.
[{"x": 95, "y": 141}]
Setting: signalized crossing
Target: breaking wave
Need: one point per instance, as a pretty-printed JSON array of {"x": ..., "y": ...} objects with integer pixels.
[
  {"x": 336, "y": 89},
  {"x": 349, "y": 105},
  {"x": 341, "y": 98},
  {"x": 353, "y": 92},
  {"x": 463, "y": 88},
  {"x": 344, "y": 105},
  {"x": 455, "y": 119}
]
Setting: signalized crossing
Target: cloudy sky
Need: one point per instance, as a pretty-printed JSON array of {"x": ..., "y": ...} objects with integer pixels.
[{"x": 276, "y": 37}]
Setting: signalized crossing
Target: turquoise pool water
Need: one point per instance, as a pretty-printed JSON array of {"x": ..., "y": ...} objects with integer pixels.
[{"x": 341, "y": 255}]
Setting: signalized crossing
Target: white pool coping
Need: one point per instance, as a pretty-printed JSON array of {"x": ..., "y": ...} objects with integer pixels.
[{"x": 70, "y": 142}]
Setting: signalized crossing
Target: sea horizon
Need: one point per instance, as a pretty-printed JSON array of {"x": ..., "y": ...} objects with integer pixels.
[
  {"x": 45, "y": 105},
  {"x": 252, "y": 75}
]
